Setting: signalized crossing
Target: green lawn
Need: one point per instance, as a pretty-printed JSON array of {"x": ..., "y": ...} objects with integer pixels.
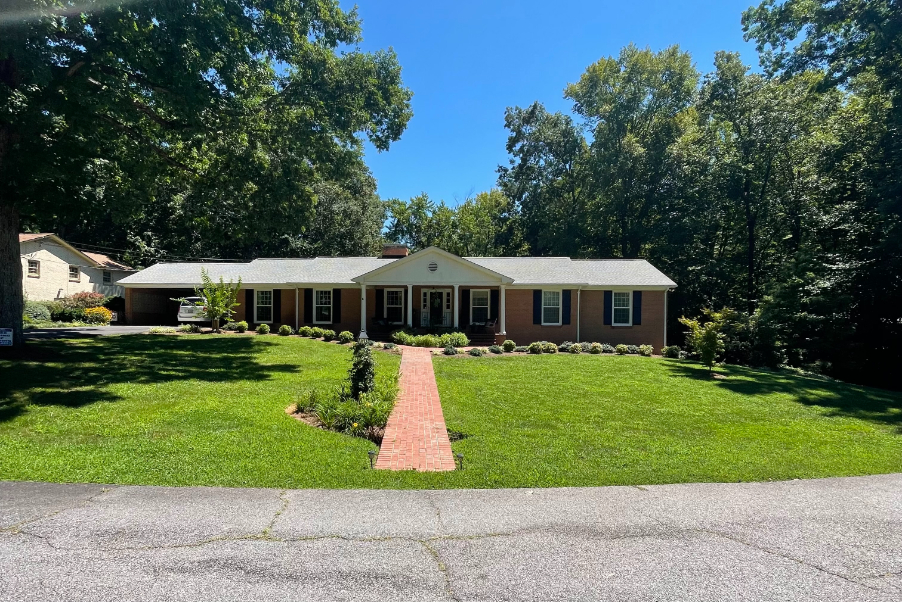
[{"x": 209, "y": 410}]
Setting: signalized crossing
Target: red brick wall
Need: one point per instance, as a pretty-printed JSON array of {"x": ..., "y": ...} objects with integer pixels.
[
  {"x": 650, "y": 332},
  {"x": 519, "y": 321}
]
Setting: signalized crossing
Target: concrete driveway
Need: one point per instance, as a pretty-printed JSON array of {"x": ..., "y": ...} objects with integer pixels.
[
  {"x": 83, "y": 331},
  {"x": 833, "y": 539}
]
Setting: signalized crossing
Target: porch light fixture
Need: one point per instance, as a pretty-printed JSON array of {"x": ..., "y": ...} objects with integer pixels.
[
  {"x": 372, "y": 455},
  {"x": 362, "y": 336}
]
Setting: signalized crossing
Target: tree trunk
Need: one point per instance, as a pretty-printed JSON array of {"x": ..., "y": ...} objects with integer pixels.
[{"x": 11, "y": 298}]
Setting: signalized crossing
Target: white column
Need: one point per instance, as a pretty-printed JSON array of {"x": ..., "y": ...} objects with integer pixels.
[
  {"x": 362, "y": 311},
  {"x": 454, "y": 309},
  {"x": 410, "y": 306},
  {"x": 503, "y": 309},
  {"x": 578, "y": 307},
  {"x": 297, "y": 307},
  {"x": 665, "y": 316}
]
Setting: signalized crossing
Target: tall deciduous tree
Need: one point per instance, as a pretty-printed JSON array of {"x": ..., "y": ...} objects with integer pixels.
[{"x": 229, "y": 111}]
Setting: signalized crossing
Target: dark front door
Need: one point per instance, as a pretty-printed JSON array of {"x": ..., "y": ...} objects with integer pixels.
[{"x": 436, "y": 308}]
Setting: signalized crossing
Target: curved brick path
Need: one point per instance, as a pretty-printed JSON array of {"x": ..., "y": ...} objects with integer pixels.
[{"x": 415, "y": 436}]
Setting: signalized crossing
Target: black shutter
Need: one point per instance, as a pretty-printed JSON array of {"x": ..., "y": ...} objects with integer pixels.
[
  {"x": 380, "y": 303},
  {"x": 277, "y": 306},
  {"x": 249, "y": 305},
  {"x": 637, "y": 308},
  {"x": 565, "y": 306},
  {"x": 308, "y": 306},
  {"x": 464, "y": 313},
  {"x": 404, "y": 307},
  {"x": 493, "y": 304},
  {"x": 336, "y": 305},
  {"x": 537, "y": 306},
  {"x": 608, "y": 307}
]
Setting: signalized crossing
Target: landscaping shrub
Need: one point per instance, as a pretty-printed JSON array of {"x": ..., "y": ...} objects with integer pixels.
[
  {"x": 535, "y": 348},
  {"x": 476, "y": 352},
  {"x": 509, "y": 345},
  {"x": 448, "y": 339},
  {"x": 605, "y": 348},
  {"x": 596, "y": 348},
  {"x": 586, "y": 347},
  {"x": 305, "y": 331},
  {"x": 646, "y": 350},
  {"x": 565, "y": 346},
  {"x": 428, "y": 340},
  {"x": 263, "y": 329},
  {"x": 241, "y": 326},
  {"x": 161, "y": 330},
  {"x": 707, "y": 340},
  {"x": 37, "y": 311},
  {"x": 98, "y": 315},
  {"x": 284, "y": 330},
  {"x": 189, "y": 328},
  {"x": 401, "y": 337},
  {"x": 671, "y": 351},
  {"x": 632, "y": 349},
  {"x": 329, "y": 335},
  {"x": 345, "y": 336},
  {"x": 316, "y": 332},
  {"x": 621, "y": 349},
  {"x": 549, "y": 348},
  {"x": 364, "y": 417},
  {"x": 459, "y": 339},
  {"x": 449, "y": 350},
  {"x": 496, "y": 349},
  {"x": 86, "y": 300},
  {"x": 389, "y": 346},
  {"x": 575, "y": 348},
  {"x": 362, "y": 374},
  {"x": 522, "y": 349}
]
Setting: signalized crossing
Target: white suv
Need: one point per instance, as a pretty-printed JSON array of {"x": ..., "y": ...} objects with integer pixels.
[{"x": 190, "y": 311}]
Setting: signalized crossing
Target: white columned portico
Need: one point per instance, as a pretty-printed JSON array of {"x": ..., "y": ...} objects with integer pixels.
[
  {"x": 456, "y": 314},
  {"x": 362, "y": 311},
  {"x": 410, "y": 306},
  {"x": 503, "y": 309}
]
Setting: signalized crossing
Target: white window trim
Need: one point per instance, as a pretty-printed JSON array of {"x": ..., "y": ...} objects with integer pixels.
[
  {"x": 385, "y": 304},
  {"x": 77, "y": 270},
  {"x": 488, "y": 306},
  {"x": 331, "y": 305},
  {"x": 28, "y": 268},
  {"x": 560, "y": 306},
  {"x": 629, "y": 296},
  {"x": 257, "y": 306}
]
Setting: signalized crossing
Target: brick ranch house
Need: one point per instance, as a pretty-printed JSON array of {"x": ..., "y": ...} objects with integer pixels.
[{"x": 526, "y": 299}]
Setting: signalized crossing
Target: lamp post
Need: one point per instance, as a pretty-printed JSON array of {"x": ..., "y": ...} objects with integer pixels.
[{"x": 371, "y": 454}]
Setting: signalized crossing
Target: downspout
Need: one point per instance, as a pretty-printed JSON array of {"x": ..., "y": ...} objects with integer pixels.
[{"x": 665, "y": 316}]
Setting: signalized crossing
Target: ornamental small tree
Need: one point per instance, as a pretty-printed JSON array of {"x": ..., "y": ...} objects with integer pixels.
[
  {"x": 363, "y": 369},
  {"x": 706, "y": 339},
  {"x": 220, "y": 299}
]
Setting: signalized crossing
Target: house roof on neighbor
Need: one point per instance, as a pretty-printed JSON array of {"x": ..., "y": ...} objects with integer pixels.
[
  {"x": 343, "y": 270},
  {"x": 98, "y": 259},
  {"x": 35, "y": 236},
  {"x": 104, "y": 261}
]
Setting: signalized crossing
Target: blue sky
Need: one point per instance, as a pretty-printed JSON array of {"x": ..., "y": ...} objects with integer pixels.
[{"x": 466, "y": 61}]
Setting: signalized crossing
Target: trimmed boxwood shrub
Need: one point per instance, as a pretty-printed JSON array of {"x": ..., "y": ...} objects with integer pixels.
[
  {"x": 284, "y": 330},
  {"x": 345, "y": 336},
  {"x": 263, "y": 329},
  {"x": 37, "y": 311},
  {"x": 646, "y": 350},
  {"x": 535, "y": 348},
  {"x": 509, "y": 345},
  {"x": 621, "y": 349},
  {"x": 575, "y": 348},
  {"x": 241, "y": 326},
  {"x": 329, "y": 335},
  {"x": 496, "y": 349},
  {"x": 305, "y": 331},
  {"x": 316, "y": 332},
  {"x": 549, "y": 348},
  {"x": 671, "y": 351},
  {"x": 596, "y": 348}
]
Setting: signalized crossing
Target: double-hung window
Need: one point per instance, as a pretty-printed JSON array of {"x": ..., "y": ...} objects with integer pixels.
[
  {"x": 479, "y": 306},
  {"x": 551, "y": 308},
  {"x": 107, "y": 278},
  {"x": 34, "y": 268},
  {"x": 322, "y": 306},
  {"x": 394, "y": 305},
  {"x": 623, "y": 310},
  {"x": 263, "y": 307},
  {"x": 74, "y": 273}
]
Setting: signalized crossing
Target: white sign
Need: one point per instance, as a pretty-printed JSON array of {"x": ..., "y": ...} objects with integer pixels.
[{"x": 6, "y": 337}]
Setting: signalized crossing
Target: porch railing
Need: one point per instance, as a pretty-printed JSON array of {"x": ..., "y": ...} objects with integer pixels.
[{"x": 446, "y": 321}]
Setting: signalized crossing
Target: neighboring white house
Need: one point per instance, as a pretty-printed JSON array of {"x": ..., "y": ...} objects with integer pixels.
[{"x": 53, "y": 269}]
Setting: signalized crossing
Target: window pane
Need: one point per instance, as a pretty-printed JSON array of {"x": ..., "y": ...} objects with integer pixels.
[
  {"x": 622, "y": 300},
  {"x": 73, "y": 272},
  {"x": 480, "y": 314},
  {"x": 264, "y": 313},
  {"x": 324, "y": 297},
  {"x": 479, "y": 299},
  {"x": 34, "y": 267},
  {"x": 394, "y": 298},
  {"x": 264, "y": 297},
  {"x": 107, "y": 277},
  {"x": 551, "y": 298},
  {"x": 550, "y": 315},
  {"x": 323, "y": 313},
  {"x": 621, "y": 315},
  {"x": 393, "y": 314}
]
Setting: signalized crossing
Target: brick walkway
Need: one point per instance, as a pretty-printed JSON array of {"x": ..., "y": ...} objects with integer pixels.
[{"x": 415, "y": 436}]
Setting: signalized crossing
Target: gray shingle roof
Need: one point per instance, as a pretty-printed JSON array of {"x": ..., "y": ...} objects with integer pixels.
[{"x": 341, "y": 270}]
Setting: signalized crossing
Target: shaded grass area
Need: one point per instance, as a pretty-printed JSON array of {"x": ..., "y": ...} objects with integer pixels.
[
  {"x": 209, "y": 410},
  {"x": 600, "y": 420}
]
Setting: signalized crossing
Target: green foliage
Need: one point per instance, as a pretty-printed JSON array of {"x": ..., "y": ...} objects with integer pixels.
[
  {"x": 549, "y": 347},
  {"x": 345, "y": 337},
  {"x": 284, "y": 330},
  {"x": 305, "y": 331},
  {"x": 219, "y": 298},
  {"x": 362, "y": 374},
  {"x": 329, "y": 335},
  {"x": 535, "y": 348},
  {"x": 596, "y": 348},
  {"x": 632, "y": 349},
  {"x": 671, "y": 351},
  {"x": 621, "y": 349},
  {"x": 575, "y": 348},
  {"x": 316, "y": 332},
  {"x": 521, "y": 349},
  {"x": 37, "y": 311},
  {"x": 476, "y": 352},
  {"x": 606, "y": 348},
  {"x": 497, "y": 349},
  {"x": 452, "y": 339},
  {"x": 161, "y": 330},
  {"x": 459, "y": 339},
  {"x": 646, "y": 350},
  {"x": 189, "y": 328},
  {"x": 449, "y": 350},
  {"x": 241, "y": 326},
  {"x": 706, "y": 339},
  {"x": 508, "y": 345},
  {"x": 263, "y": 329}
]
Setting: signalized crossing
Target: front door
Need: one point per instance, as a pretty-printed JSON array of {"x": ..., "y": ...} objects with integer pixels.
[{"x": 436, "y": 308}]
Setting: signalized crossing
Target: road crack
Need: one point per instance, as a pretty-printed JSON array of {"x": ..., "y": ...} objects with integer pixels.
[
  {"x": 17, "y": 528},
  {"x": 442, "y": 568}
]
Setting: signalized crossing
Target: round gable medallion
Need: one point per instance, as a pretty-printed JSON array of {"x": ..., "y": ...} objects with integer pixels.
[{"x": 433, "y": 266}]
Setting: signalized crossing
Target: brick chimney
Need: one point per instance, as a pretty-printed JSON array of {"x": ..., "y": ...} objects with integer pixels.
[{"x": 394, "y": 250}]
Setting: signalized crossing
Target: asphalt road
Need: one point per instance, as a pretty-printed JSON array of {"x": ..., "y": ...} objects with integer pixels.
[
  {"x": 834, "y": 539},
  {"x": 82, "y": 331}
]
